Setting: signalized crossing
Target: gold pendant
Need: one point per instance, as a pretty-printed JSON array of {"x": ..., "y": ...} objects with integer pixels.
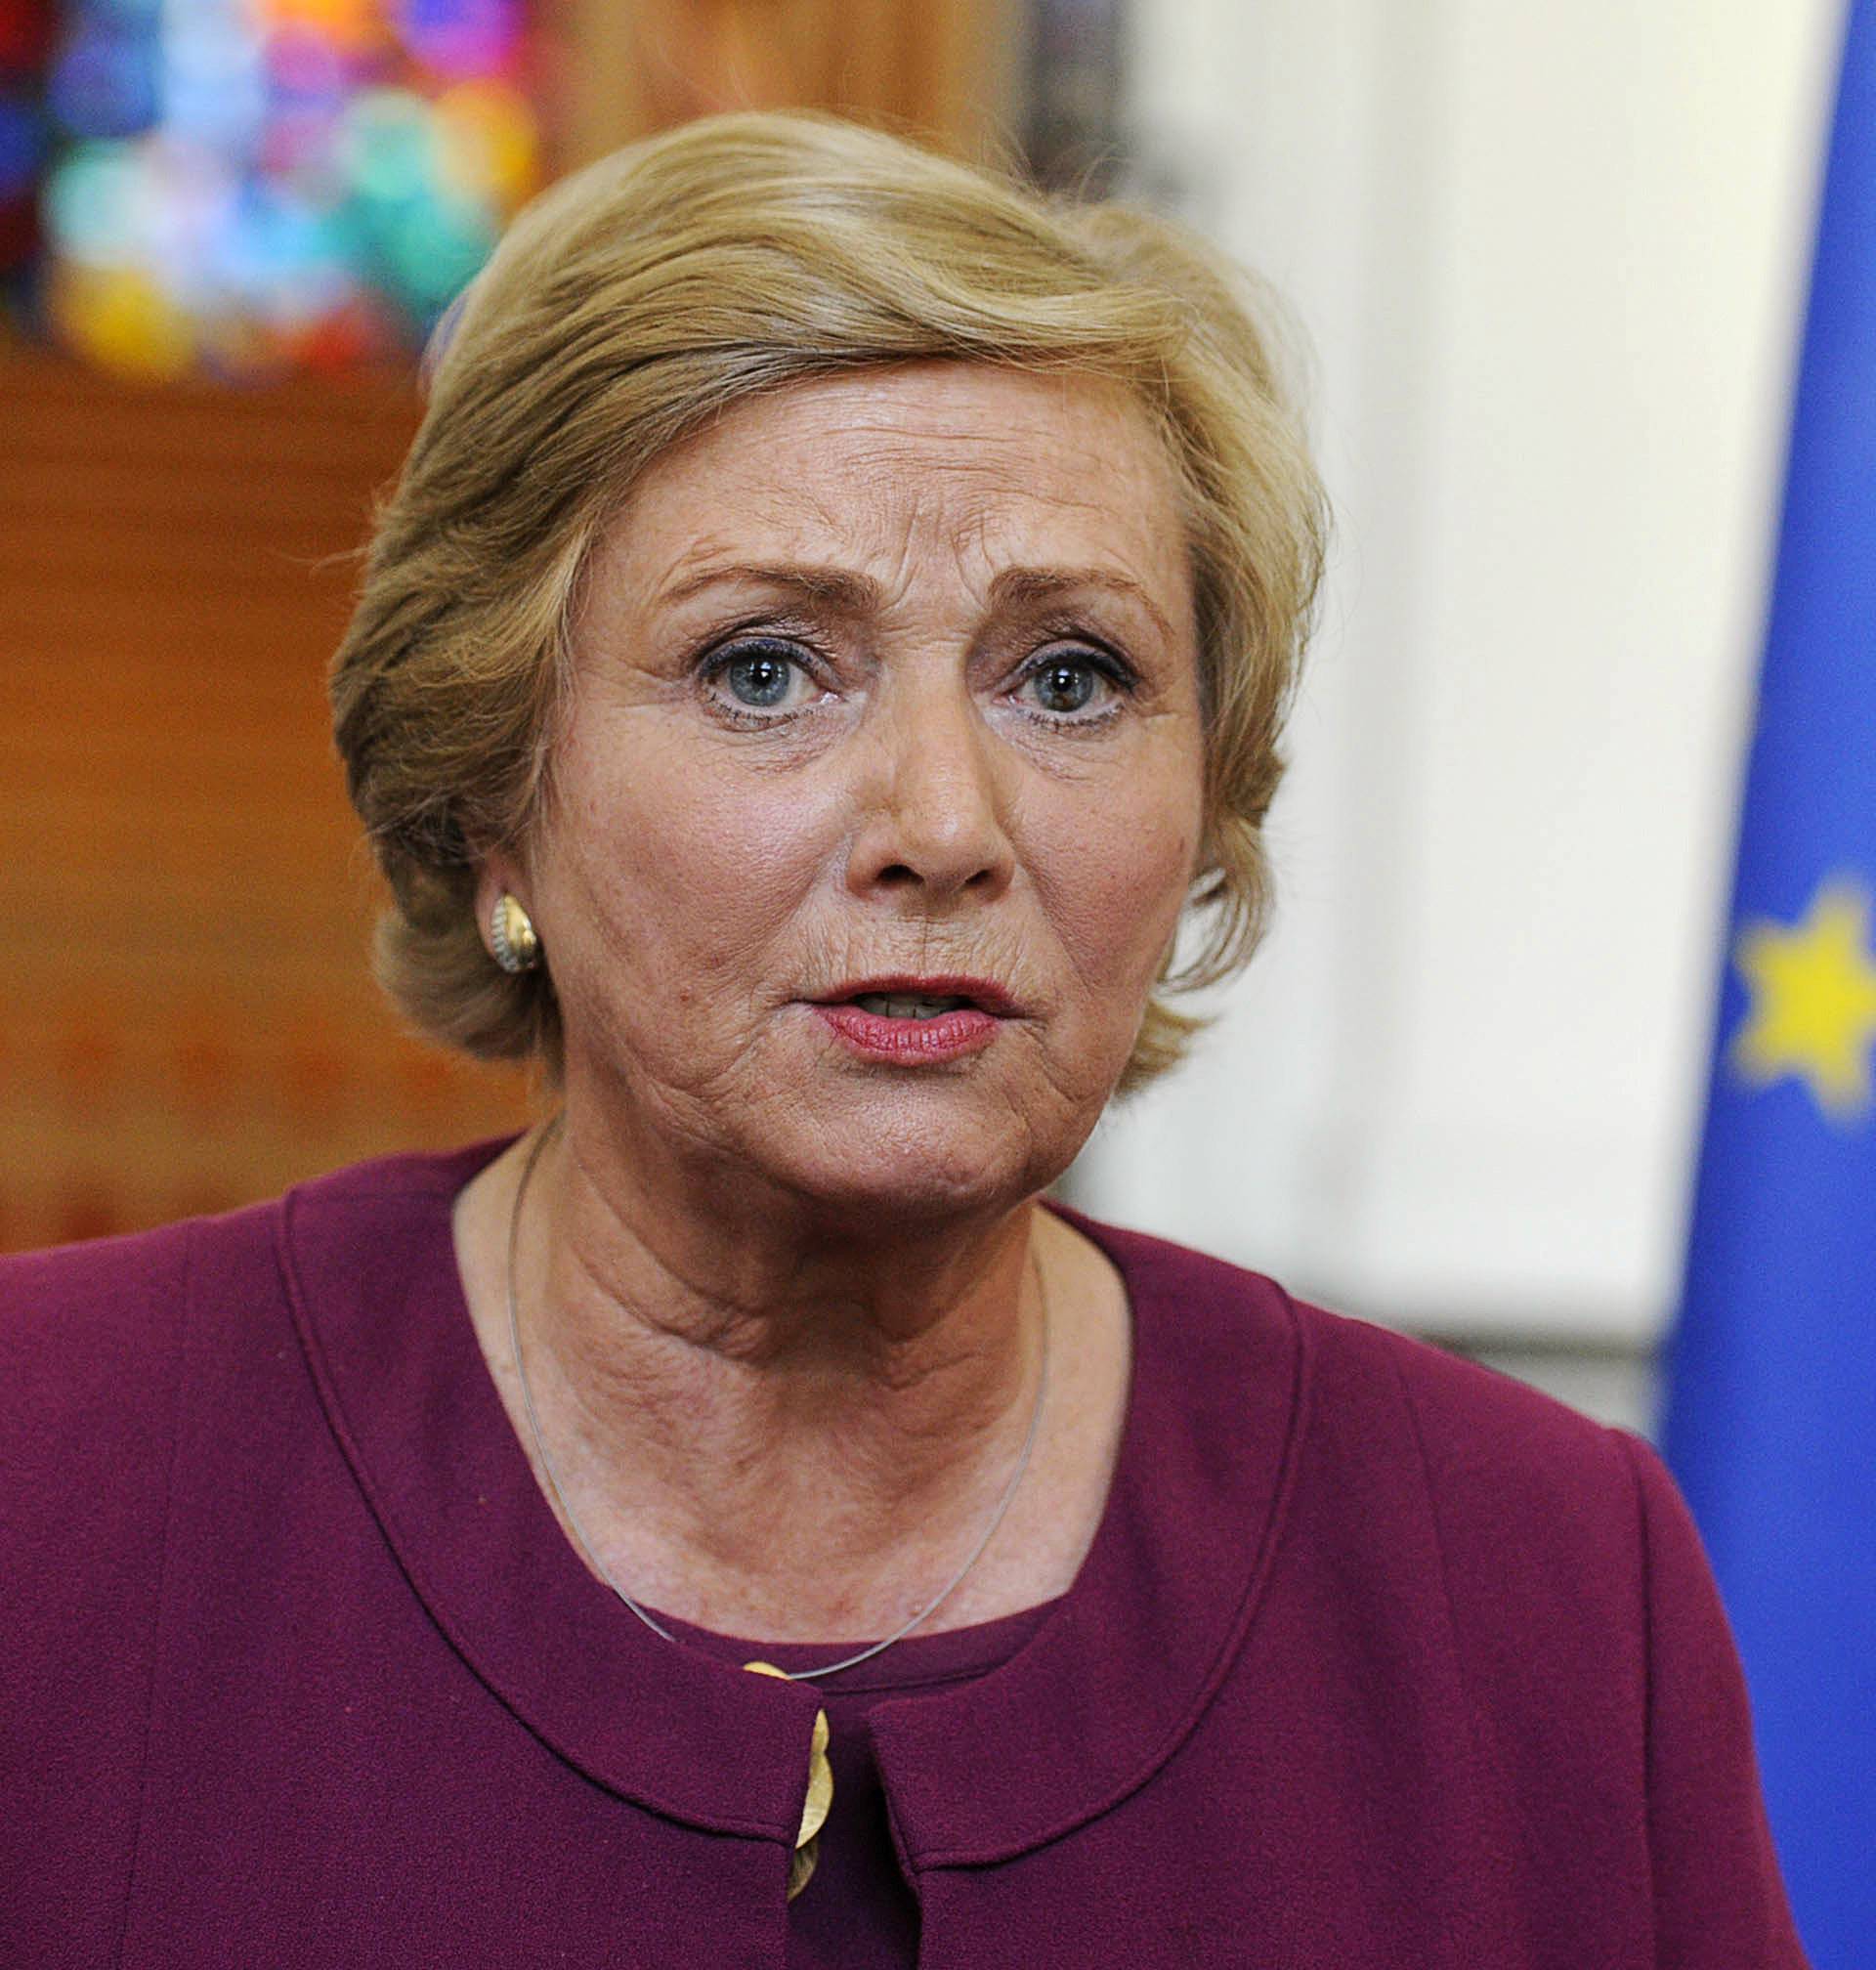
[{"x": 814, "y": 1811}]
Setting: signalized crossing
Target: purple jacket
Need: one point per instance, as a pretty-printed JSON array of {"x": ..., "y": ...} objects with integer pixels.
[{"x": 1377, "y": 1659}]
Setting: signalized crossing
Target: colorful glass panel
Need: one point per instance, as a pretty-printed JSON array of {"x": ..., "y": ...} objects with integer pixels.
[
  {"x": 25, "y": 39},
  {"x": 246, "y": 186}
]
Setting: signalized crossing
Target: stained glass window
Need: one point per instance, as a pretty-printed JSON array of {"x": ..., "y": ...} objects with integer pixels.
[
  {"x": 241, "y": 187},
  {"x": 26, "y": 36}
]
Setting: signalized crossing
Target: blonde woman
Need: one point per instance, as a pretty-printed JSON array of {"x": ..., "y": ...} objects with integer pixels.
[{"x": 831, "y": 632}]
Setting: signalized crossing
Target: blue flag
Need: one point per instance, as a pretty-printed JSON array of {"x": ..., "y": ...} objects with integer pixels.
[{"x": 1771, "y": 1417}]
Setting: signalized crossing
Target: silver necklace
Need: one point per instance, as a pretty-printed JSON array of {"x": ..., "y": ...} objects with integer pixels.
[{"x": 586, "y": 1545}]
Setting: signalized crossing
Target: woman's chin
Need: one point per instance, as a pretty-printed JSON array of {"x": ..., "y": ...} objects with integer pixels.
[{"x": 898, "y": 1188}]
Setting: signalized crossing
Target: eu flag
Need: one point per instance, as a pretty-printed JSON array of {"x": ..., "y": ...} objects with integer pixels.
[{"x": 1771, "y": 1419}]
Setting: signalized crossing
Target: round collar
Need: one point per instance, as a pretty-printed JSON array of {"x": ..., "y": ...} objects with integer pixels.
[{"x": 1101, "y": 1695}]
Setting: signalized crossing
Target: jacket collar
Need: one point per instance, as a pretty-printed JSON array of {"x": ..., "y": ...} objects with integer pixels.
[{"x": 1110, "y": 1685}]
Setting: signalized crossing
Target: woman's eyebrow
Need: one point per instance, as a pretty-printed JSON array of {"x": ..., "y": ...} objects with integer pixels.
[
  {"x": 836, "y": 588},
  {"x": 857, "y": 594},
  {"x": 1019, "y": 586}
]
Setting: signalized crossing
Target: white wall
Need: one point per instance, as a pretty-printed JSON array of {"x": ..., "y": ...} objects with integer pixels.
[{"x": 1549, "y": 259}]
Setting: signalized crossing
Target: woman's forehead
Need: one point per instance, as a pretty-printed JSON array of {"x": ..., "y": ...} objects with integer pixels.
[{"x": 987, "y": 468}]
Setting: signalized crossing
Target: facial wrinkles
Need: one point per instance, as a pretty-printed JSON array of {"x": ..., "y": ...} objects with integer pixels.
[
  {"x": 919, "y": 724},
  {"x": 931, "y": 518},
  {"x": 917, "y": 485},
  {"x": 968, "y": 512}
]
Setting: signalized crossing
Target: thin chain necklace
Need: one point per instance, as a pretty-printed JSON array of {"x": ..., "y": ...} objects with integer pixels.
[{"x": 586, "y": 1545}]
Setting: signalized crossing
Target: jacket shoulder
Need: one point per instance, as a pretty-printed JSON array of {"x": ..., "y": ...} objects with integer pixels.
[
  {"x": 1475, "y": 1429},
  {"x": 84, "y": 1325},
  {"x": 1536, "y": 1507},
  {"x": 1532, "y": 1513},
  {"x": 1590, "y": 1633},
  {"x": 96, "y": 1346},
  {"x": 1471, "y": 1427},
  {"x": 94, "y": 1340}
]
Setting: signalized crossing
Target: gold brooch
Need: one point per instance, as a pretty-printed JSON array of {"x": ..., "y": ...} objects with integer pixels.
[{"x": 814, "y": 1812}]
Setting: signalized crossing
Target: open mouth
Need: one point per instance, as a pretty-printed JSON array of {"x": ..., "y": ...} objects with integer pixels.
[
  {"x": 910, "y": 1024},
  {"x": 906, "y": 1005}
]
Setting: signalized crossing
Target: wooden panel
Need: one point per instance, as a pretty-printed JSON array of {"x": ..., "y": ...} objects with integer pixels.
[
  {"x": 941, "y": 69},
  {"x": 187, "y": 1021}
]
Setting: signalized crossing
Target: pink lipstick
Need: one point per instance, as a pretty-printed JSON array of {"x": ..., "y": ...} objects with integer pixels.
[{"x": 909, "y": 1039}]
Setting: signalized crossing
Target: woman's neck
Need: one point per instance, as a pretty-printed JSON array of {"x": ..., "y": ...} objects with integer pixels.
[{"x": 795, "y": 1437}]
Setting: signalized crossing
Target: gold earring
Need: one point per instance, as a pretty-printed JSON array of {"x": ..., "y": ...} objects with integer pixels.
[{"x": 511, "y": 931}]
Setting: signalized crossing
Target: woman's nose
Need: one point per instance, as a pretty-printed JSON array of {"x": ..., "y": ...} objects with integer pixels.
[{"x": 933, "y": 805}]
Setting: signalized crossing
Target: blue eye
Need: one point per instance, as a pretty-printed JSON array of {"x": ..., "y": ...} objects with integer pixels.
[
  {"x": 1065, "y": 684},
  {"x": 754, "y": 677},
  {"x": 1068, "y": 682},
  {"x": 759, "y": 677}
]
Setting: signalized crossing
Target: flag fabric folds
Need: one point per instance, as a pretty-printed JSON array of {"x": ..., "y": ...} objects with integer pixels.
[{"x": 1771, "y": 1414}]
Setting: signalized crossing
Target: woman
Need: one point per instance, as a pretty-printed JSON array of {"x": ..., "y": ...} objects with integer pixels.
[{"x": 831, "y": 630}]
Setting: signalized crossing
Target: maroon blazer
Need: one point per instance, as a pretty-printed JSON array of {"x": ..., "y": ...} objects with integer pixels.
[{"x": 1377, "y": 1659}]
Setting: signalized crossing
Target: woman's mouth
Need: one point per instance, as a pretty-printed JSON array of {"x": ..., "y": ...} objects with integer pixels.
[
  {"x": 908, "y": 1029},
  {"x": 905, "y": 1005}
]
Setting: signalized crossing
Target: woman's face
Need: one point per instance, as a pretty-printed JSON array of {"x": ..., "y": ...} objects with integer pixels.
[{"x": 881, "y": 680}]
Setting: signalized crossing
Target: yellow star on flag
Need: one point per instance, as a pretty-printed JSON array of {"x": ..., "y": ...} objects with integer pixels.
[{"x": 1813, "y": 1001}]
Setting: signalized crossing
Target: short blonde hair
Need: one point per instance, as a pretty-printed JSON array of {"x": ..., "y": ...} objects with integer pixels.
[{"x": 638, "y": 297}]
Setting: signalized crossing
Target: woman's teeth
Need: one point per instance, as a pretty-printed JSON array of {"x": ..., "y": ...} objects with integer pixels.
[{"x": 897, "y": 1005}]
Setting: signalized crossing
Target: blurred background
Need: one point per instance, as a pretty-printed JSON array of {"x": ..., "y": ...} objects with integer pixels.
[{"x": 1546, "y": 264}]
